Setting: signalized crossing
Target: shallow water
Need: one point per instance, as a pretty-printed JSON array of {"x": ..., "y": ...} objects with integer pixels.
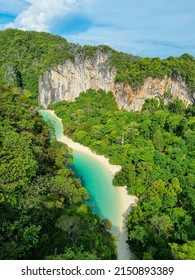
[
  {"x": 95, "y": 178},
  {"x": 98, "y": 181}
]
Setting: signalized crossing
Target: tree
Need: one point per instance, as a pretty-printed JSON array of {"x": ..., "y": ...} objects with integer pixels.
[
  {"x": 151, "y": 105},
  {"x": 73, "y": 254},
  {"x": 158, "y": 140},
  {"x": 177, "y": 106},
  {"x": 183, "y": 252},
  {"x": 162, "y": 224}
]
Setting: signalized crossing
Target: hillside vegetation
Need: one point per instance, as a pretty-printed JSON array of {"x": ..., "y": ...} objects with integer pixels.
[
  {"x": 43, "y": 214},
  {"x": 157, "y": 159},
  {"x": 42, "y": 206},
  {"x": 25, "y": 55}
]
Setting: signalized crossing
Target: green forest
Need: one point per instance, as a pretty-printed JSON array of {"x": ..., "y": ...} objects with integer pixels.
[
  {"x": 25, "y": 55},
  {"x": 43, "y": 214},
  {"x": 158, "y": 166}
]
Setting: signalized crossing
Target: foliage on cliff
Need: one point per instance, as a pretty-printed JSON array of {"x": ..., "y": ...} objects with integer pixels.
[
  {"x": 42, "y": 210},
  {"x": 134, "y": 71},
  {"x": 25, "y": 55},
  {"x": 157, "y": 160}
]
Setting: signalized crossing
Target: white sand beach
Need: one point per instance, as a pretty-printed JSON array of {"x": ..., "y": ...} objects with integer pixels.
[
  {"x": 125, "y": 201},
  {"x": 124, "y": 198}
]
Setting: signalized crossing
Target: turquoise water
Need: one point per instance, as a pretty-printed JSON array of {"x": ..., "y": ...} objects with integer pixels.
[
  {"x": 98, "y": 181},
  {"x": 58, "y": 127},
  {"x": 95, "y": 178}
]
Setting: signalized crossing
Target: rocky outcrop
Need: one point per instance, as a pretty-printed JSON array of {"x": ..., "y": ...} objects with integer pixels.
[
  {"x": 166, "y": 89},
  {"x": 67, "y": 81}
]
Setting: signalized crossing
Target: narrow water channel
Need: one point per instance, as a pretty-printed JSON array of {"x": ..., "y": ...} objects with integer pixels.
[
  {"x": 105, "y": 199},
  {"x": 95, "y": 178}
]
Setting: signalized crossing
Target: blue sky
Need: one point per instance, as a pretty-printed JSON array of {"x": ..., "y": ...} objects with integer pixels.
[{"x": 141, "y": 27}]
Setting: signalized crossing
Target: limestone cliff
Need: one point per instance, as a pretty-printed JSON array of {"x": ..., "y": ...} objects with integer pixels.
[
  {"x": 173, "y": 87},
  {"x": 67, "y": 81}
]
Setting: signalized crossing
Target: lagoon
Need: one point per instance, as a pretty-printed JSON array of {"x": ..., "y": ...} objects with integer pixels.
[
  {"x": 95, "y": 178},
  {"x": 96, "y": 174}
]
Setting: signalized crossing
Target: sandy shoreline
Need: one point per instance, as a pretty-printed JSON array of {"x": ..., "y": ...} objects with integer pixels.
[
  {"x": 125, "y": 199},
  {"x": 125, "y": 202}
]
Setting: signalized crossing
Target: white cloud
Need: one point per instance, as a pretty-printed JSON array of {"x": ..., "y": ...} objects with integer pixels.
[
  {"x": 40, "y": 13},
  {"x": 160, "y": 28}
]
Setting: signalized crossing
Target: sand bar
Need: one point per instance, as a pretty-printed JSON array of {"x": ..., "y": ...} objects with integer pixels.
[{"x": 124, "y": 198}]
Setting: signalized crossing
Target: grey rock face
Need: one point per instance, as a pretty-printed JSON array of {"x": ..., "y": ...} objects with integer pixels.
[{"x": 67, "y": 81}]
